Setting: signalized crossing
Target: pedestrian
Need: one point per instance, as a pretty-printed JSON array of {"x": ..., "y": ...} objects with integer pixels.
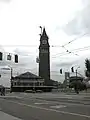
[{"x": 3, "y": 91}]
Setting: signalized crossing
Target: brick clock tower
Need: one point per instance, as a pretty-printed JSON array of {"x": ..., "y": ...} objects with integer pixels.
[{"x": 44, "y": 57}]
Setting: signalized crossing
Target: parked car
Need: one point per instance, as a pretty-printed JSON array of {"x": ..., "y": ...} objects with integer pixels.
[
  {"x": 39, "y": 91},
  {"x": 29, "y": 91}
]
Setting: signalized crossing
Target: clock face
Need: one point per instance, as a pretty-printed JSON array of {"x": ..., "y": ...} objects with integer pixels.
[{"x": 44, "y": 42}]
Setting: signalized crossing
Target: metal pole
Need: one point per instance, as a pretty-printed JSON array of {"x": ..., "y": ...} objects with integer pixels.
[
  {"x": 77, "y": 81},
  {"x": 11, "y": 79},
  {"x": 11, "y": 73},
  {"x": 76, "y": 74}
]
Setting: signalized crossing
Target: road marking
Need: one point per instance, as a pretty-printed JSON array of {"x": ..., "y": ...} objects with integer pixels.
[
  {"x": 58, "y": 106},
  {"x": 40, "y": 103},
  {"x": 11, "y": 97},
  {"x": 52, "y": 110},
  {"x": 75, "y": 104}
]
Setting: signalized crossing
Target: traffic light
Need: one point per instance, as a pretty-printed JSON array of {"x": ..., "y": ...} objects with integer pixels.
[
  {"x": 16, "y": 58},
  {"x": 9, "y": 57},
  {"x": 1, "y": 55},
  {"x": 72, "y": 69},
  {"x": 61, "y": 71}
]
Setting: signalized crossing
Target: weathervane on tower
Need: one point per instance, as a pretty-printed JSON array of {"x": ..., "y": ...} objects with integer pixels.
[{"x": 41, "y": 30}]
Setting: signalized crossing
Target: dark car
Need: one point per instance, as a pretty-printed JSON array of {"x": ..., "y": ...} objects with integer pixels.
[
  {"x": 29, "y": 91},
  {"x": 39, "y": 91}
]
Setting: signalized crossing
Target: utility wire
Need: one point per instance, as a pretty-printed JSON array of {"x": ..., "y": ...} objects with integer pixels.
[
  {"x": 70, "y": 41},
  {"x": 69, "y": 51},
  {"x": 75, "y": 39},
  {"x": 74, "y": 50},
  {"x": 63, "y": 46}
]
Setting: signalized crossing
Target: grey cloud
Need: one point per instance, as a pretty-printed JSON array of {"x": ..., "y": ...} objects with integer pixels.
[
  {"x": 25, "y": 58},
  {"x": 59, "y": 78},
  {"x": 3, "y": 62},
  {"x": 80, "y": 23},
  {"x": 26, "y": 62},
  {"x": 5, "y": 1},
  {"x": 22, "y": 52},
  {"x": 66, "y": 63},
  {"x": 72, "y": 27}
]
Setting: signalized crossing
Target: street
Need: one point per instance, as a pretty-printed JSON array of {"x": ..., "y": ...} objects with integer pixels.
[{"x": 44, "y": 106}]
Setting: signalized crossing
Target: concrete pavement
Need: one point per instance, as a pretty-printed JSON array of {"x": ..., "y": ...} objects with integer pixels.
[{"x": 4, "y": 116}]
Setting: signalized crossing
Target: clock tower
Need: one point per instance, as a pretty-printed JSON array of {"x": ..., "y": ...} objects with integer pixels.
[{"x": 44, "y": 57}]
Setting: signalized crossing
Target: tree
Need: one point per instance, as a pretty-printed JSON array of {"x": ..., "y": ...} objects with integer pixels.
[{"x": 87, "y": 65}]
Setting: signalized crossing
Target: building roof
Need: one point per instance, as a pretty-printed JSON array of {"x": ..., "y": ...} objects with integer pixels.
[{"x": 28, "y": 75}]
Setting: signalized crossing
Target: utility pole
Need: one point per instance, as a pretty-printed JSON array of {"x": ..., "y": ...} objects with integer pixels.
[
  {"x": 77, "y": 81},
  {"x": 76, "y": 74},
  {"x": 11, "y": 73},
  {"x": 11, "y": 78}
]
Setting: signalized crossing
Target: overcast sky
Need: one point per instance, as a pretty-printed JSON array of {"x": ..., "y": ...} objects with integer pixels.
[{"x": 64, "y": 21}]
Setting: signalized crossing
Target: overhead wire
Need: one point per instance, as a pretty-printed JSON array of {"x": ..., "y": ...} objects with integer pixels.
[
  {"x": 74, "y": 50},
  {"x": 69, "y": 51},
  {"x": 70, "y": 41}
]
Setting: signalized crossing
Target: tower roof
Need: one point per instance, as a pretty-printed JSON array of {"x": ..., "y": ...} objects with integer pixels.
[
  {"x": 44, "y": 33},
  {"x": 28, "y": 75}
]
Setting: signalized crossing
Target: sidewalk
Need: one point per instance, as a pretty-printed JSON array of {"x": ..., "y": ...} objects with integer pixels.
[{"x": 4, "y": 116}]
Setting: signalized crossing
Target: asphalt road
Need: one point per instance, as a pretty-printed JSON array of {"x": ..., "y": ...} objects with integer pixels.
[{"x": 46, "y": 106}]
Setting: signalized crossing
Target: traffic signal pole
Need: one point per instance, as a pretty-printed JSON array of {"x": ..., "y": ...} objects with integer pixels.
[
  {"x": 76, "y": 74},
  {"x": 11, "y": 72},
  {"x": 77, "y": 81}
]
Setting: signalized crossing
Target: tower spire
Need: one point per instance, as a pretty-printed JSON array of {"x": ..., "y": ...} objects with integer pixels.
[{"x": 44, "y": 33}]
